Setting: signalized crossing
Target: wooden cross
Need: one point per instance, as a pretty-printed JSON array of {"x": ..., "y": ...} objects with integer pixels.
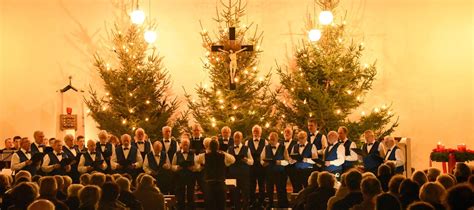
[{"x": 232, "y": 49}]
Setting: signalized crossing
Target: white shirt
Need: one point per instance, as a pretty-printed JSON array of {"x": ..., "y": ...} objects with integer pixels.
[
  {"x": 146, "y": 164},
  {"x": 15, "y": 161},
  {"x": 287, "y": 143},
  {"x": 228, "y": 159},
  {"x": 139, "y": 159},
  {"x": 324, "y": 142},
  {"x": 82, "y": 161},
  {"x": 73, "y": 151},
  {"x": 255, "y": 143},
  {"x": 341, "y": 150},
  {"x": 141, "y": 147},
  {"x": 399, "y": 156},
  {"x": 353, "y": 156},
  {"x": 41, "y": 149},
  {"x": 174, "y": 165},
  {"x": 46, "y": 167},
  {"x": 282, "y": 162},
  {"x": 249, "y": 155}
]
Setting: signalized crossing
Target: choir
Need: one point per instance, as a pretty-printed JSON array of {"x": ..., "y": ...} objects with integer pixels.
[{"x": 181, "y": 165}]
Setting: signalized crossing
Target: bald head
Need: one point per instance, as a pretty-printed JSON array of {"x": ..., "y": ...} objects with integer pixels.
[
  {"x": 126, "y": 139},
  {"x": 225, "y": 132},
  {"x": 157, "y": 147},
  {"x": 140, "y": 134},
  {"x": 69, "y": 140}
]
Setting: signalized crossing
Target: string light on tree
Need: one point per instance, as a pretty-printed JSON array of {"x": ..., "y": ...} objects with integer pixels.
[
  {"x": 325, "y": 17},
  {"x": 314, "y": 35},
  {"x": 150, "y": 36},
  {"x": 137, "y": 16}
]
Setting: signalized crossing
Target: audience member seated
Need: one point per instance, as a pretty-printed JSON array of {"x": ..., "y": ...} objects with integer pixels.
[
  {"x": 22, "y": 195},
  {"x": 84, "y": 179},
  {"x": 420, "y": 205},
  {"x": 300, "y": 200},
  {"x": 432, "y": 174},
  {"x": 41, "y": 204},
  {"x": 446, "y": 180},
  {"x": 370, "y": 188},
  {"x": 89, "y": 197},
  {"x": 471, "y": 180},
  {"x": 353, "y": 179},
  {"x": 319, "y": 198},
  {"x": 387, "y": 201},
  {"x": 60, "y": 195},
  {"x": 462, "y": 172},
  {"x": 97, "y": 179},
  {"x": 384, "y": 175},
  {"x": 73, "y": 196},
  {"x": 49, "y": 190},
  {"x": 419, "y": 177},
  {"x": 340, "y": 193},
  {"x": 148, "y": 194},
  {"x": 433, "y": 193},
  {"x": 409, "y": 191},
  {"x": 126, "y": 196},
  {"x": 109, "y": 199},
  {"x": 460, "y": 197}
]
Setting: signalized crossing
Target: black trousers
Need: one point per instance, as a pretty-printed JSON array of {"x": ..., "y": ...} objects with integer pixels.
[
  {"x": 257, "y": 176},
  {"x": 276, "y": 179},
  {"x": 291, "y": 174},
  {"x": 166, "y": 181},
  {"x": 301, "y": 178},
  {"x": 186, "y": 182},
  {"x": 215, "y": 195},
  {"x": 240, "y": 194}
]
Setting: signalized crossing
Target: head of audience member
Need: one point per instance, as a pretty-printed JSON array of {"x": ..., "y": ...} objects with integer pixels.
[
  {"x": 4, "y": 183},
  {"x": 36, "y": 179},
  {"x": 89, "y": 196},
  {"x": 256, "y": 131},
  {"x": 471, "y": 180},
  {"x": 384, "y": 171},
  {"x": 9, "y": 144},
  {"x": 446, "y": 180},
  {"x": 147, "y": 182},
  {"x": 312, "y": 125},
  {"x": 124, "y": 184},
  {"x": 38, "y": 136},
  {"x": 110, "y": 191},
  {"x": 432, "y": 174},
  {"x": 420, "y": 205},
  {"x": 184, "y": 145},
  {"x": 73, "y": 190},
  {"x": 25, "y": 144},
  {"x": 58, "y": 146},
  {"x": 97, "y": 179},
  {"x": 91, "y": 146},
  {"x": 140, "y": 135},
  {"x": 326, "y": 180},
  {"x": 392, "y": 166},
  {"x": 332, "y": 137},
  {"x": 273, "y": 138},
  {"x": 432, "y": 192},
  {"x": 462, "y": 172},
  {"x": 166, "y": 131},
  {"x": 41, "y": 204},
  {"x": 368, "y": 174},
  {"x": 419, "y": 177},
  {"x": 114, "y": 140},
  {"x": 126, "y": 140},
  {"x": 409, "y": 190},
  {"x": 370, "y": 187},
  {"x": 48, "y": 187},
  {"x": 288, "y": 134},
  {"x": 342, "y": 131},
  {"x": 196, "y": 130},
  {"x": 302, "y": 138},
  {"x": 109, "y": 178},
  {"x": 353, "y": 179},
  {"x": 59, "y": 182},
  {"x": 313, "y": 179},
  {"x": 214, "y": 146},
  {"x": 388, "y": 142},
  {"x": 238, "y": 136},
  {"x": 22, "y": 195},
  {"x": 80, "y": 141},
  {"x": 157, "y": 147},
  {"x": 394, "y": 184},
  {"x": 16, "y": 142},
  {"x": 387, "y": 201},
  {"x": 103, "y": 136},
  {"x": 22, "y": 174},
  {"x": 67, "y": 182},
  {"x": 226, "y": 132},
  {"x": 369, "y": 136},
  {"x": 69, "y": 140},
  {"x": 460, "y": 197}
]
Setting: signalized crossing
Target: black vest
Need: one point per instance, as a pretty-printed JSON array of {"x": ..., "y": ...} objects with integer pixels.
[
  {"x": 107, "y": 152},
  {"x": 197, "y": 145},
  {"x": 279, "y": 155},
  {"x": 214, "y": 169},
  {"x": 238, "y": 167},
  {"x": 54, "y": 160},
  {"x": 88, "y": 161},
  {"x": 152, "y": 162},
  {"x": 290, "y": 147},
  {"x": 171, "y": 150},
  {"x": 224, "y": 146},
  {"x": 30, "y": 168},
  {"x": 132, "y": 154},
  {"x": 147, "y": 148},
  {"x": 256, "y": 152},
  {"x": 317, "y": 140},
  {"x": 373, "y": 160}
]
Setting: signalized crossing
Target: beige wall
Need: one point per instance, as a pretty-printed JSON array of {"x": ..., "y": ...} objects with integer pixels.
[{"x": 423, "y": 48}]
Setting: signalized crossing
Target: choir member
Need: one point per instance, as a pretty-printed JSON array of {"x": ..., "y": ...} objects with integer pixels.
[
  {"x": 72, "y": 152},
  {"x": 257, "y": 173},
  {"x": 274, "y": 158},
  {"x": 9, "y": 144},
  {"x": 91, "y": 160},
  {"x": 105, "y": 148},
  {"x": 334, "y": 155},
  {"x": 289, "y": 142},
  {"x": 16, "y": 142},
  {"x": 374, "y": 150},
  {"x": 142, "y": 143},
  {"x": 21, "y": 160},
  {"x": 394, "y": 154},
  {"x": 240, "y": 170},
  {"x": 38, "y": 145},
  {"x": 316, "y": 137},
  {"x": 52, "y": 161},
  {"x": 80, "y": 144},
  {"x": 197, "y": 140},
  {"x": 184, "y": 165},
  {"x": 215, "y": 163},
  {"x": 351, "y": 157},
  {"x": 126, "y": 158},
  {"x": 170, "y": 146},
  {"x": 156, "y": 164},
  {"x": 114, "y": 140},
  {"x": 302, "y": 156},
  {"x": 226, "y": 138}
]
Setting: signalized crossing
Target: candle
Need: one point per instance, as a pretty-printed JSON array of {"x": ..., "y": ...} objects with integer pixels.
[
  {"x": 440, "y": 147},
  {"x": 462, "y": 148}
]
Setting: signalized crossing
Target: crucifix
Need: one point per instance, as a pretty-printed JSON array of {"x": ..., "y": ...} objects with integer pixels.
[{"x": 232, "y": 50}]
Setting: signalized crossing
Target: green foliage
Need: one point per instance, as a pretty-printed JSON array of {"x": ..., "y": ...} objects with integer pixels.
[
  {"x": 136, "y": 86},
  {"x": 329, "y": 82},
  {"x": 216, "y": 105}
]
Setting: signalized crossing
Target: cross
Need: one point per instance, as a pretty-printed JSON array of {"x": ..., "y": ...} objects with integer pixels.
[{"x": 232, "y": 50}]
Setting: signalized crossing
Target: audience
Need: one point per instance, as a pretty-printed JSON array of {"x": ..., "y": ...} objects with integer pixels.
[
  {"x": 353, "y": 179},
  {"x": 325, "y": 190},
  {"x": 126, "y": 196},
  {"x": 384, "y": 175},
  {"x": 89, "y": 197},
  {"x": 420, "y": 205},
  {"x": 433, "y": 193},
  {"x": 370, "y": 188},
  {"x": 432, "y": 174},
  {"x": 300, "y": 200},
  {"x": 409, "y": 191},
  {"x": 109, "y": 198},
  {"x": 22, "y": 195},
  {"x": 387, "y": 201},
  {"x": 340, "y": 193},
  {"x": 394, "y": 185},
  {"x": 49, "y": 190},
  {"x": 446, "y": 180},
  {"x": 419, "y": 177},
  {"x": 148, "y": 194},
  {"x": 72, "y": 200},
  {"x": 460, "y": 197},
  {"x": 462, "y": 172},
  {"x": 41, "y": 204}
]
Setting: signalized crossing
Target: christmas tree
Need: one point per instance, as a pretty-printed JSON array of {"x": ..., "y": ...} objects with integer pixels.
[
  {"x": 135, "y": 82},
  {"x": 329, "y": 81},
  {"x": 237, "y": 96}
]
